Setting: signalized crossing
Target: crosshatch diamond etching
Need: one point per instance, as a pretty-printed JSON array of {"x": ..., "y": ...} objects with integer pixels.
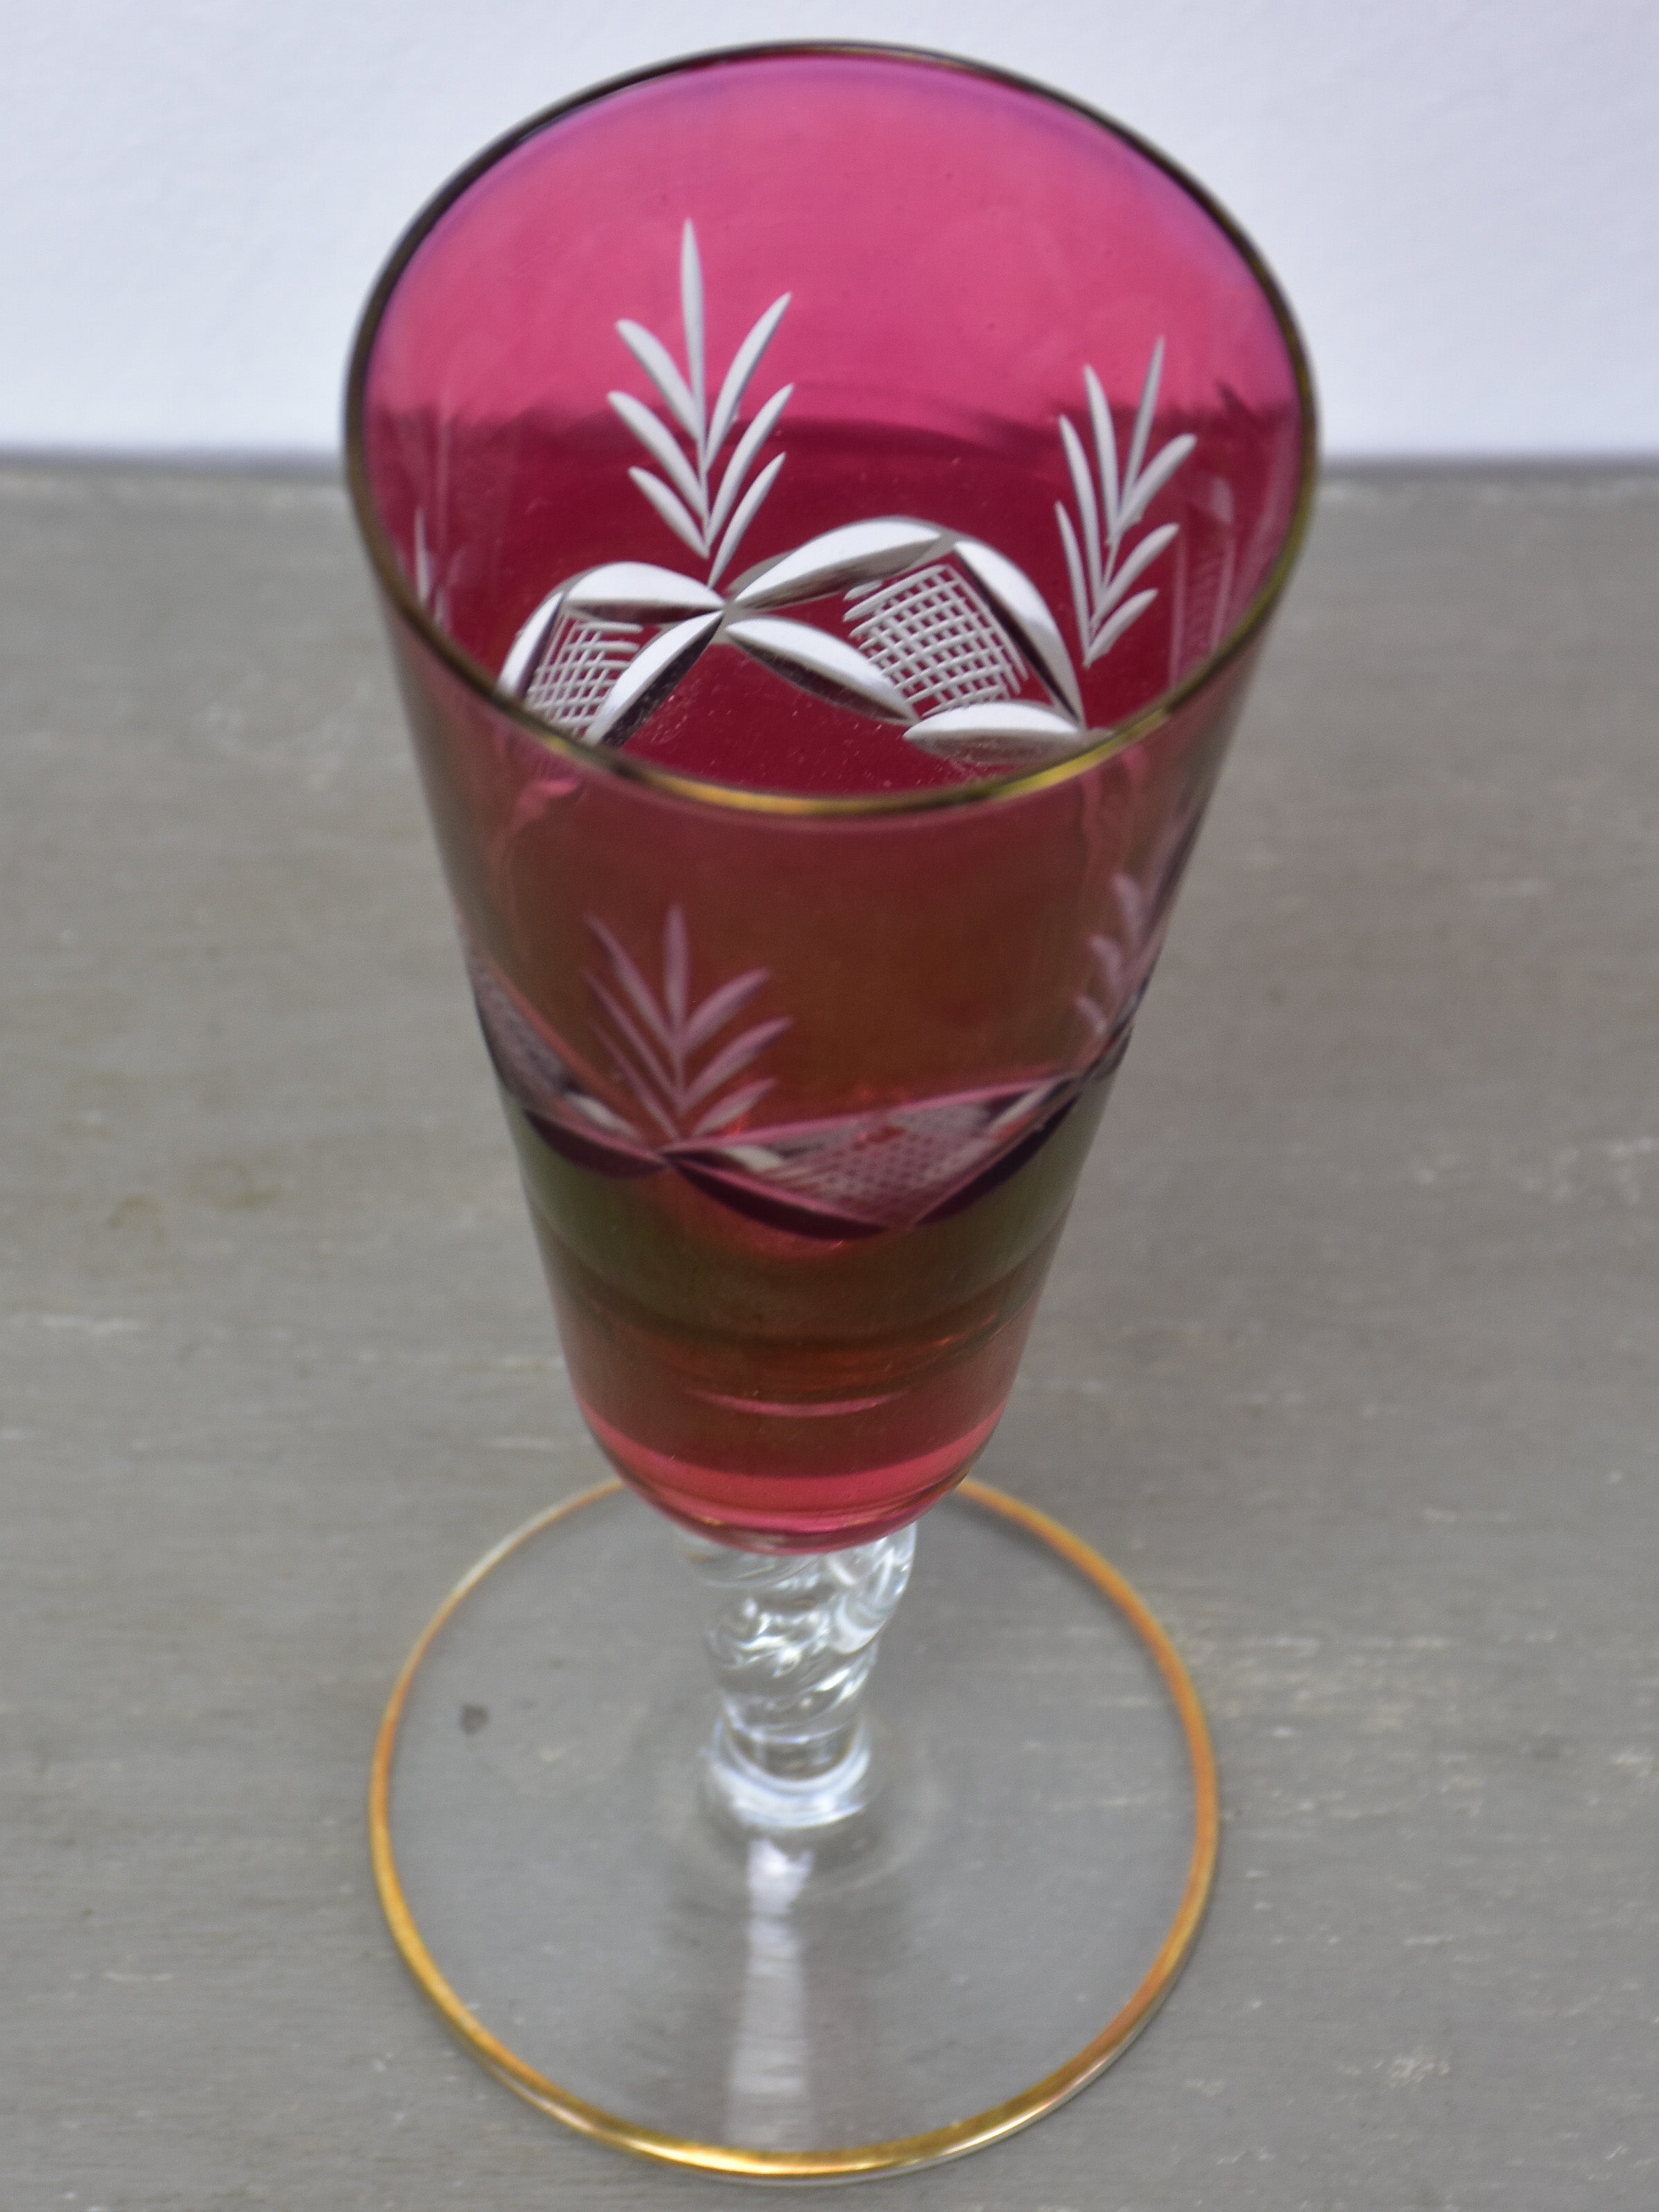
[
  {"x": 943, "y": 633},
  {"x": 936, "y": 640},
  {"x": 579, "y": 669}
]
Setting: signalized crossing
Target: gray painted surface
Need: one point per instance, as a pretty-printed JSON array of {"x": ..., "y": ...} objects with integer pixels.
[{"x": 1348, "y": 1359}]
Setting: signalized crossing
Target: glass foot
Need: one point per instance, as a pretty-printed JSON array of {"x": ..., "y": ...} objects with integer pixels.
[{"x": 1016, "y": 1897}]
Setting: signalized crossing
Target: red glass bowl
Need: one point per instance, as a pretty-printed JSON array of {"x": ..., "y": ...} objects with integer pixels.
[{"x": 826, "y": 502}]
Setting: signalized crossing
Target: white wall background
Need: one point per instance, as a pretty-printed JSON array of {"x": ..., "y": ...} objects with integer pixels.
[{"x": 1461, "y": 195}]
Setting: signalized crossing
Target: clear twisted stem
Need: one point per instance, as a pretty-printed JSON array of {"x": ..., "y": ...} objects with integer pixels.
[{"x": 792, "y": 1641}]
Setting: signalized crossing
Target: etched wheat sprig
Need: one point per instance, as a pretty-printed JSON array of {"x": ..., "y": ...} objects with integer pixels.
[
  {"x": 1102, "y": 564},
  {"x": 657, "y": 1041},
  {"x": 708, "y": 517}
]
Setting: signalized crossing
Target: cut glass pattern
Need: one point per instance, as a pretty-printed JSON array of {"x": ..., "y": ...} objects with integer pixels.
[
  {"x": 1104, "y": 566},
  {"x": 872, "y": 1170},
  {"x": 935, "y": 639},
  {"x": 892, "y": 1167},
  {"x": 657, "y": 1040},
  {"x": 944, "y": 631},
  {"x": 575, "y": 673}
]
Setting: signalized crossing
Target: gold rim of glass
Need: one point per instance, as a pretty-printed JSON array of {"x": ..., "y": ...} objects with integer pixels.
[
  {"x": 861, "y": 2160},
  {"x": 703, "y": 790}
]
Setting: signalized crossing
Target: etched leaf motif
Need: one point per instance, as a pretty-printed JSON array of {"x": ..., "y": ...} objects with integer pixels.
[
  {"x": 1076, "y": 461},
  {"x": 1024, "y": 614},
  {"x": 1144, "y": 555},
  {"x": 638, "y": 1065},
  {"x": 744, "y": 362},
  {"x": 1007, "y": 717},
  {"x": 1073, "y": 569},
  {"x": 657, "y": 1042},
  {"x": 1100, "y": 419},
  {"x": 1144, "y": 415},
  {"x": 654, "y": 358},
  {"x": 638, "y": 591},
  {"x": 672, "y": 510},
  {"x": 738, "y": 468},
  {"x": 691, "y": 320},
  {"x": 721, "y": 1006},
  {"x": 648, "y": 679},
  {"x": 681, "y": 495},
  {"x": 1155, "y": 475},
  {"x": 735, "y": 1104},
  {"x": 858, "y": 553},
  {"x": 745, "y": 515},
  {"x": 1129, "y": 613},
  {"x": 658, "y": 442},
  {"x": 733, "y": 1059},
  {"x": 631, "y": 980},
  {"x": 1098, "y": 562},
  {"x": 821, "y": 664},
  {"x": 1008, "y": 733}
]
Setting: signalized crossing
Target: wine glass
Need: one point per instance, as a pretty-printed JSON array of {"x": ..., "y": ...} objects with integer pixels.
[{"x": 826, "y": 504}]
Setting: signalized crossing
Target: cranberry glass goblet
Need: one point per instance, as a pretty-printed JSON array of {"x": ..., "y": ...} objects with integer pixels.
[{"x": 826, "y": 504}]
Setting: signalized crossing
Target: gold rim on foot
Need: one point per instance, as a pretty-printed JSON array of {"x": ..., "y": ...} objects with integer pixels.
[{"x": 860, "y": 2161}]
